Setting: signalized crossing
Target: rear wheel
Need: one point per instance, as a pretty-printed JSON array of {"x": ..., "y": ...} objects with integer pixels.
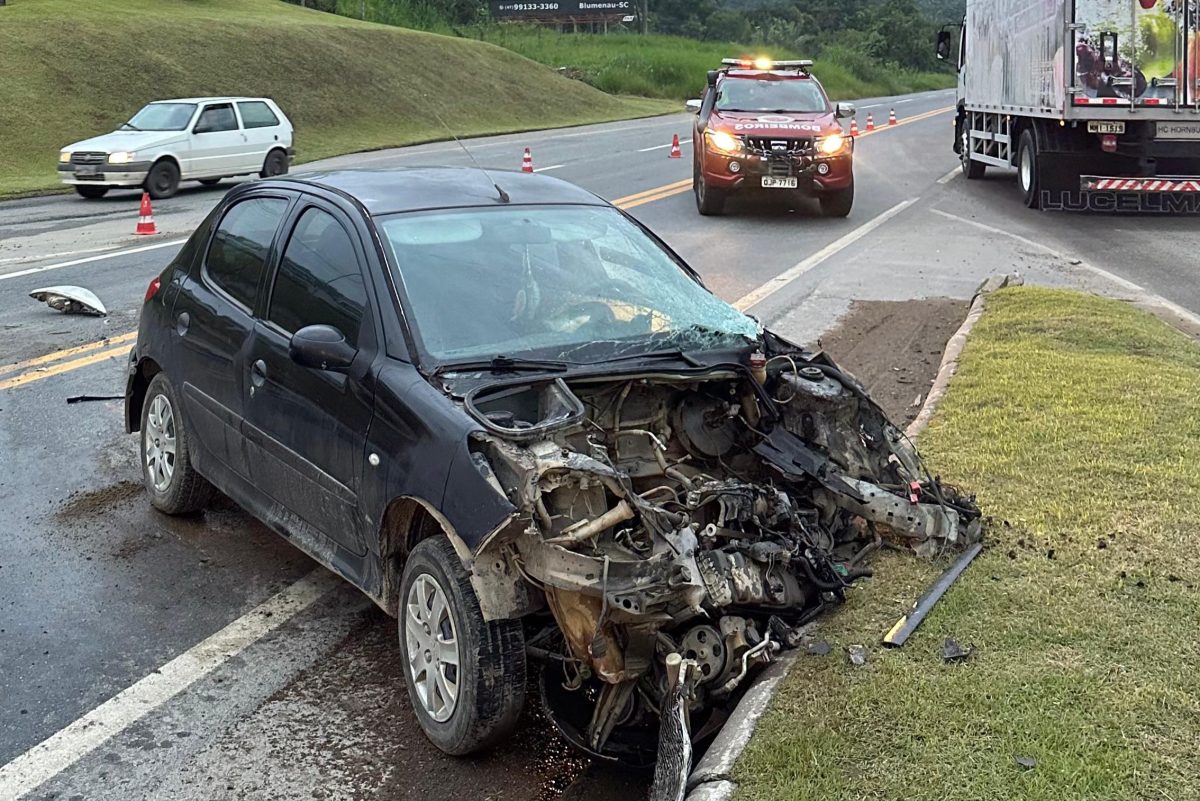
[
  {"x": 709, "y": 201},
  {"x": 174, "y": 485},
  {"x": 1027, "y": 169},
  {"x": 163, "y": 180},
  {"x": 91, "y": 192},
  {"x": 838, "y": 203},
  {"x": 465, "y": 676},
  {"x": 274, "y": 164}
]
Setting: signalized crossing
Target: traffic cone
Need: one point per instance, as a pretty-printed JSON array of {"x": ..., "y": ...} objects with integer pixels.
[
  {"x": 675, "y": 153},
  {"x": 854, "y": 126},
  {"x": 870, "y": 122},
  {"x": 892, "y": 117},
  {"x": 145, "y": 223},
  {"x": 527, "y": 162}
]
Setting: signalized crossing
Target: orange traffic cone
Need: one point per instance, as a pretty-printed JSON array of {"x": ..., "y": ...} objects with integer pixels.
[
  {"x": 854, "y": 126},
  {"x": 527, "y": 162},
  {"x": 145, "y": 223},
  {"x": 870, "y": 122},
  {"x": 675, "y": 153},
  {"x": 892, "y": 117}
]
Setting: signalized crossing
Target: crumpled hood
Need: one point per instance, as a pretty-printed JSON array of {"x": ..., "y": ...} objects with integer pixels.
[
  {"x": 742, "y": 123},
  {"x": 128, "y": 140}
]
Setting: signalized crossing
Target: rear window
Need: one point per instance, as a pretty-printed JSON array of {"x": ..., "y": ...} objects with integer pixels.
[
  {"x": 257, "y": 114},
  {"x": 239, "y": 247}
]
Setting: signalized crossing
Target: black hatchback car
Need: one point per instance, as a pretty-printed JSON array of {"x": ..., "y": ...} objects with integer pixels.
[{"x": 517, "y": 421}]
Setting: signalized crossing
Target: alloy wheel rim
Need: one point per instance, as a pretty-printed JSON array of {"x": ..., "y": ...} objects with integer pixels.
[
  {"x": 159, "y": 443},
  {"x": 431, "y": 648}
]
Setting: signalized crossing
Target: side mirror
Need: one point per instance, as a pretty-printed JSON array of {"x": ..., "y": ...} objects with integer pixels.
[
  {"x": 693, "y": 106},
  {"x": 321, "y": 347},
  {"x": 943, "y": 45},
  {"x": 202, "y": 129},
  {"x": 843, "y": 110}
]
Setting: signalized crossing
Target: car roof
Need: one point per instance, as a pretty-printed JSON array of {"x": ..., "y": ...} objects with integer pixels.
[
  {"x": 226, "y": 98},
  {"x": 389, "y": 191}
]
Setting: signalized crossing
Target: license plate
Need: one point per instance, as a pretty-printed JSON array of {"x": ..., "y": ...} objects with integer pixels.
[
  {"x": 1106, "y": 127},
  {"x": 82, "y": 171},
  {"x": 1177, "y": 130},
  {"x": 778, "y": 183}
]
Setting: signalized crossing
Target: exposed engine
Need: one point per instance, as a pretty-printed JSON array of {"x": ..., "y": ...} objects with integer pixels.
[{"x": 682, "y": 527}]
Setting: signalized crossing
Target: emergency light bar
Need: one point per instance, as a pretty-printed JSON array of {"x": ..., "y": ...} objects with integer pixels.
[{"x": 766, "y": 64}]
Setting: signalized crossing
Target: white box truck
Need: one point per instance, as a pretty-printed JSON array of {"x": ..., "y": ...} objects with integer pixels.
[{"x": 1092, "y": 101}]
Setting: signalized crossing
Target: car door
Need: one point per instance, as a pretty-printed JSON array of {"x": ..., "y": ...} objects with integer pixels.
[
  {"x": 213, "y": 318},
  {"x": 307, "y": 425},
  {"x": 263, "y": 131},
  {"x": 218, "y": 142}
]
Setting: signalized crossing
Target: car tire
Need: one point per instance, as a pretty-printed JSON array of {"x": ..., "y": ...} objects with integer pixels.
[
  {"x": 174, "y": 485},
  {"x": 275, "y": 163},
  {"x": 162, "y": 180},
  {"x": 91, "y": 192},
  {"x": 209, "y": 181},
  {"x": 1027, "y": 170},
  {"x": 438, "y": 605},
  {"x": 837, "y": 203},
  {"x": 709, "y": 201},
  {"x": 971, "y": 169}
]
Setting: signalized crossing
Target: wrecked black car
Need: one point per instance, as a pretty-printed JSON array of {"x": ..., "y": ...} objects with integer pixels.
[{"x": 516, "y": 420}]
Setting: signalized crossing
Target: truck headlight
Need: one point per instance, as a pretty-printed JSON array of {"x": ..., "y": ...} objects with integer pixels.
[
  {"x": 724, "y": 142},
  {"x": 64, "y": 156},
  {"x": 831, "y": 144},
  {"x": 121, "y": 157}
]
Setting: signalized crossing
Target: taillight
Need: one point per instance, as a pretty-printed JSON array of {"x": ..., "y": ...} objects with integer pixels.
[
  {"x": 152, "y": 290},
  {"x": 1108, "y": 143}
]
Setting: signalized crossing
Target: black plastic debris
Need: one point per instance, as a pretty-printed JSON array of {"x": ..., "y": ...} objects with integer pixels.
[{"x": 953, "y": 651}]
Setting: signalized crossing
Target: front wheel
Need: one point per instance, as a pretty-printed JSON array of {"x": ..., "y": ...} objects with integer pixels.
[
  {"x": 838, "y": 203},
  {"x": 274, "y": 164},
  {"x": 465, "y": 676},
  {"x": 163, "y": 180},
  {"x": 971, "y": 169},
  {"x": 91, "y": 192},
  {"x": 1027, "y": 170},
  {"x": 709, "y": 201},
  {"x": 174, "y": 485}
]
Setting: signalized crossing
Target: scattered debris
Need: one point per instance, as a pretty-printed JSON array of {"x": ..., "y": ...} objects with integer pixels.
[
  {"x": 858, "y": 655},
  {"x": 1026, "y": 762},
  {"x": 917, "y": 400},
  {"x": 907, "y": 624},
  {"x": 70, "y": 300},
  {"x": 953, "y": 651},
  {"x": 87, "y": 398},
  {"x": 818, "y": 648}
]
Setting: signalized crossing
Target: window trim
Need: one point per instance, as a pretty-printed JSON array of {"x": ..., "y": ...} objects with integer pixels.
[{"x": 211, "y": 283}]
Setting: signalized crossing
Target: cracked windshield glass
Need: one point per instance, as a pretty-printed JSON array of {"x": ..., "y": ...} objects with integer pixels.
[{"x": 571, "y": 283}]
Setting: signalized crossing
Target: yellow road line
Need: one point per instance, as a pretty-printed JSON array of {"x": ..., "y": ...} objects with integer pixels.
[
  {"x": 64, "y": 367},
  {"x": 62, "y": 354},
  {"x": 914, "y": 118},
  {"x": 640, "y": 197}
]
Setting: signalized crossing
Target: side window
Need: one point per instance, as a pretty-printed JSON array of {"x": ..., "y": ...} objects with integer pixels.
[
  {"x": 319, "y": 281},
  {"x": 239, "y": 247},
  {"x": 217, "y": 117},
  {"x": 257, "y": 114}
]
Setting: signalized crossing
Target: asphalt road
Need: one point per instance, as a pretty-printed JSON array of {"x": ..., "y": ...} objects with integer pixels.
[{"x": 115, "y": 622}]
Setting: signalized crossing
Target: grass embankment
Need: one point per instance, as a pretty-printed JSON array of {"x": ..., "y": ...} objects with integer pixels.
[
  {"x": 1077, "y": 420},
  {"x": 73, "y": 70}
]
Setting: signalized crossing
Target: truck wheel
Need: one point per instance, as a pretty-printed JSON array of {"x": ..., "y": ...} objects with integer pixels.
[
  {"x": 970, "y": 168},
  {"x": 91, "y": 192},
  {"x": 1027, "y": 169},
  {"x": 274, "y": 164},
  {"x": 709, "y": 201},
  {"x": 837, "y": 204},
  {"x": 163, "y": 180},
  {"x": 465, "y": 676},
  {"x": 174, "y": 485}
]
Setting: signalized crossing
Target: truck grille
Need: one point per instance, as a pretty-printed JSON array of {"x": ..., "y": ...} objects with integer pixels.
[
  {"x": 778, "y": 146},
  {"x": 88, "y": 158}
]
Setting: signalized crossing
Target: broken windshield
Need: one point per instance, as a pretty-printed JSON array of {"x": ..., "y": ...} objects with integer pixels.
[{"x": 574, "y": 283}]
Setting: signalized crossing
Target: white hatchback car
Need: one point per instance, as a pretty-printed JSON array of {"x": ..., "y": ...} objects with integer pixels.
[{"x": 200, "y": 139}]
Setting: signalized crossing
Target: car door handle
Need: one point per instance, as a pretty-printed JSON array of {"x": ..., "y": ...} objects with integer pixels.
[{"x": 258, "y": 374}]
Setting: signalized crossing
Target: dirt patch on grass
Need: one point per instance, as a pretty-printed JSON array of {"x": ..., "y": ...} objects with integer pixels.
[{"x": 895, "y": 347}]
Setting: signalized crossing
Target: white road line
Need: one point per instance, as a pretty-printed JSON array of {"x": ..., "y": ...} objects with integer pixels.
[
  {"x": 906, "y": 100},
  {"x": 551, "y": 167},
  {"x": 67, "y": 746},
  {"x": 875, "y": 105},
  {"x": 113, "y": 255},
  {"x": 1124, "y": 283},
  {"x": 783, "y": 279},
  {"x": 682, "y": 142},
  {"x": 60, "y": 255},
  {"x": 950, "y": 176}
]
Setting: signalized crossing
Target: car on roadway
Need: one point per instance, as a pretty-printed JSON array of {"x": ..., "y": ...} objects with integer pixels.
[
  {"x": 515, "y": 419},
  {"x": 200, "y": 139},
  {"x": 767, "y": 128}
]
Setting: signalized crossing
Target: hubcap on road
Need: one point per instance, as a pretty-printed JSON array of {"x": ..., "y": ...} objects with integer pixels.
[
  {"x": 160, "y": 443},
  {"x": 431, "y": 645}
]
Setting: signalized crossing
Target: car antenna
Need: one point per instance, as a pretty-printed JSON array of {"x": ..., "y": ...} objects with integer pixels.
[{"x": 503, "y": 195}]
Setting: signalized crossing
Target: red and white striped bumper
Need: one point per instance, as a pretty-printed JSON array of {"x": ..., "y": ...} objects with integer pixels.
[{"x": 1096, "y": 183}]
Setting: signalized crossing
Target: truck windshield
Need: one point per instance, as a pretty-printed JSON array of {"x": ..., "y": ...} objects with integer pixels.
[
  {"x": 799, "y": 95},
  {"x": 575, "y": 283},
  {"x": 163, "y": 117}
]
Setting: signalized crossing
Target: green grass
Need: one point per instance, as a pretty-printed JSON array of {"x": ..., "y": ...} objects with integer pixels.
[
  {"x": 1077, "y": 420},
  {"x": 75, "y": 69}
]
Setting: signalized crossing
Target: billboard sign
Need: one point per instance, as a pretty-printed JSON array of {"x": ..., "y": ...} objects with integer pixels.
[{"x": 560, "y": 9}]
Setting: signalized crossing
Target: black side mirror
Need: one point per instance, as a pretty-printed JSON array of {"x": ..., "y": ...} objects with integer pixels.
[
  {"x": 943, "y": 45},
  {"x": 321, "y": 347},
  {"x": 202, "y": 128}
]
